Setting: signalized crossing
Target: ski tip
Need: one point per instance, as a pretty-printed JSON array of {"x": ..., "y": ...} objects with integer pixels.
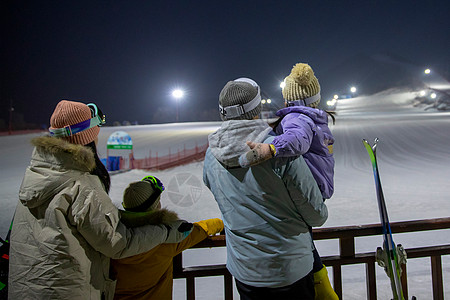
[
  {"x": 375, "y": 143},
  {"x": 366, "y": 143}
]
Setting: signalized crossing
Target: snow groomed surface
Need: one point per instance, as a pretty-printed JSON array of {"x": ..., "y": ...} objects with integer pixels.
[{"x": 414, "y": 159}]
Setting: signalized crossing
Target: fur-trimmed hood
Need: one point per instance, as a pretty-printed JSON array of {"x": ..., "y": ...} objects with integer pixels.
[
  {"x": 54, "y": 164},
  {"x": 80, "y": 157}
]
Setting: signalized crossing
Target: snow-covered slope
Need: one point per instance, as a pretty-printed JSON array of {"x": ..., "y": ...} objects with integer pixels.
[{"x": 414, "y": 164}]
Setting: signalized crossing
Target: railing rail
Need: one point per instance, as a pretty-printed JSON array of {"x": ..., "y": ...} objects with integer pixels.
[{"x": 347, "y": 256}]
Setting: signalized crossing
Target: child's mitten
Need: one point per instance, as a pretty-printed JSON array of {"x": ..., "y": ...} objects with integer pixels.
[
  {"x": 211, "y": 226},
  {"x": 259, "y": 153}
]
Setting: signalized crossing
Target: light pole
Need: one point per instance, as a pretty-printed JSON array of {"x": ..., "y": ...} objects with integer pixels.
[
  {"x": 265, "y": 113},
  {"x": 11, "y": 109},
  {"x": 263, "y": 101},
  {"x": 177, "y": 94}
]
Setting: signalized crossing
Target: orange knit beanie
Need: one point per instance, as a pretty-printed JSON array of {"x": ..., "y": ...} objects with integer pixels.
[{"x": 69, "y": 113}]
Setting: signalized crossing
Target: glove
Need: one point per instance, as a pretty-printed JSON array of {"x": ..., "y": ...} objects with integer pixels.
[
  {"x": 259, "y": 152},
  {"x": 178, "y": 231},
  {"x": 211, "y": 226}
]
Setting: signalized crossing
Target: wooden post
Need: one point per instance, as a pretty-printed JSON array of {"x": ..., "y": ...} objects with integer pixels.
[
  {"x": 190, "y": 288},
  {"x": 228, "y": 286},
  {"x": 347, "y": 246},
  {"x": 436, "y": 275},
  {"x": 371, "y": 281},
  {"x": 404, "y": 280},
  {"x": 337, "y": 280}
]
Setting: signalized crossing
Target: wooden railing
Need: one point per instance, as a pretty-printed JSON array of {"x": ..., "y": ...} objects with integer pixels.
[{"x": 347, "y": 256}]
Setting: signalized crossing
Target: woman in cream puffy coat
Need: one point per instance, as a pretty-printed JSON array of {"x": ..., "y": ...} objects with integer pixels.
[{"x": 66, "y": 228}]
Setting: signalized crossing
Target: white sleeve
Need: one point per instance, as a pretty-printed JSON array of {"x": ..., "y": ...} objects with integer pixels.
[{"x": 98, "y": 222}]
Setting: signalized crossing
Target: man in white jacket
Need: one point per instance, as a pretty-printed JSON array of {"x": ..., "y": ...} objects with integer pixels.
[{"x": 266, "y": 208}]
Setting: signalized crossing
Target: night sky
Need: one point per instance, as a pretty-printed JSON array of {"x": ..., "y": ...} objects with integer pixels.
[{"x": 128, "y": 56}]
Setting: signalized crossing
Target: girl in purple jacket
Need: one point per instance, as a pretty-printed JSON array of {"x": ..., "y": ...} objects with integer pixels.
[{"x": 302, "y": 129}]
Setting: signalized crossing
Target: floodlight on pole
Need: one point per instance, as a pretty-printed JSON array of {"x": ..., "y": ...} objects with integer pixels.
[
  {"x": 353, "y": 89},
  {"x": 332, "y": 102},
  {"x": 177, "y": 94},
  {"x": 427, "y": 71}
]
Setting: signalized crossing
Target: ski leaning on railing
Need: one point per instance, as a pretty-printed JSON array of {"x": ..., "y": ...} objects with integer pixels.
[{"x": 391, "y": 256}]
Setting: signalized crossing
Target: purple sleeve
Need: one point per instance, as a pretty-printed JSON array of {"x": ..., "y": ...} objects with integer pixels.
[{"x": 296, "y": 137}]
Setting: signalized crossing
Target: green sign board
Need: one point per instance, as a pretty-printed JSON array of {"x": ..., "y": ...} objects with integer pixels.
[
  {"x": 119, "y": 140},
  {"x": 119, "y": 146}
]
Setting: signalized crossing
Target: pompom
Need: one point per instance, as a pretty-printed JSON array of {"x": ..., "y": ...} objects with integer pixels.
[{"x": 302, "y": 74}]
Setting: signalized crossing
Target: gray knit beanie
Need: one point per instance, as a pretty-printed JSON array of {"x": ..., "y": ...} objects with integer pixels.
[
  {"x": 137, "y": 193},
  {"x": 240, "y": 99}
]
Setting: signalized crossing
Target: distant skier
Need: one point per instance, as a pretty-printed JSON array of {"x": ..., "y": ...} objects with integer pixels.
[
  {"x": 302, "y": 129},
  {"x": 150, "y": 275}
]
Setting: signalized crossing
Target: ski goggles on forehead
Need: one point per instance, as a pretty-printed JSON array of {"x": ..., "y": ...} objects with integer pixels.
[
  {"x": 238, "y": 110},
  {"x": 97, "y": 119},
  {"x": 155, "y": 182},
  {"x": 152, "y": 201},
  {"x": 97, "y": 113}
]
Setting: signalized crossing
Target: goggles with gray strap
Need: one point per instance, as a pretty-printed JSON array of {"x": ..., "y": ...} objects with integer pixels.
[
  {"x": 304, "y": 102},
  {"x": 238, "y": 110}
]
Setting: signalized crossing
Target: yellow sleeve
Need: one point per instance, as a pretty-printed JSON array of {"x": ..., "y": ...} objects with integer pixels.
[
  {"x": 211, "y": 226},
  {"x": 197, "y": 235}
]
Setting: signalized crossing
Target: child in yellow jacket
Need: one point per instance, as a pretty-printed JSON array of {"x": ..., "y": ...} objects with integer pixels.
[{"x": 150, "y": 275}]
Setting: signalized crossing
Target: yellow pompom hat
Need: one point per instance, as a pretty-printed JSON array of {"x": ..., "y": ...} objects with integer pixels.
[{"x": 301, "y": 87}]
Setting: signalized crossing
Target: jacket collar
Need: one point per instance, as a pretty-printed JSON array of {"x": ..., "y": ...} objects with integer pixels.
[{"x": 77, "y": 156}]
